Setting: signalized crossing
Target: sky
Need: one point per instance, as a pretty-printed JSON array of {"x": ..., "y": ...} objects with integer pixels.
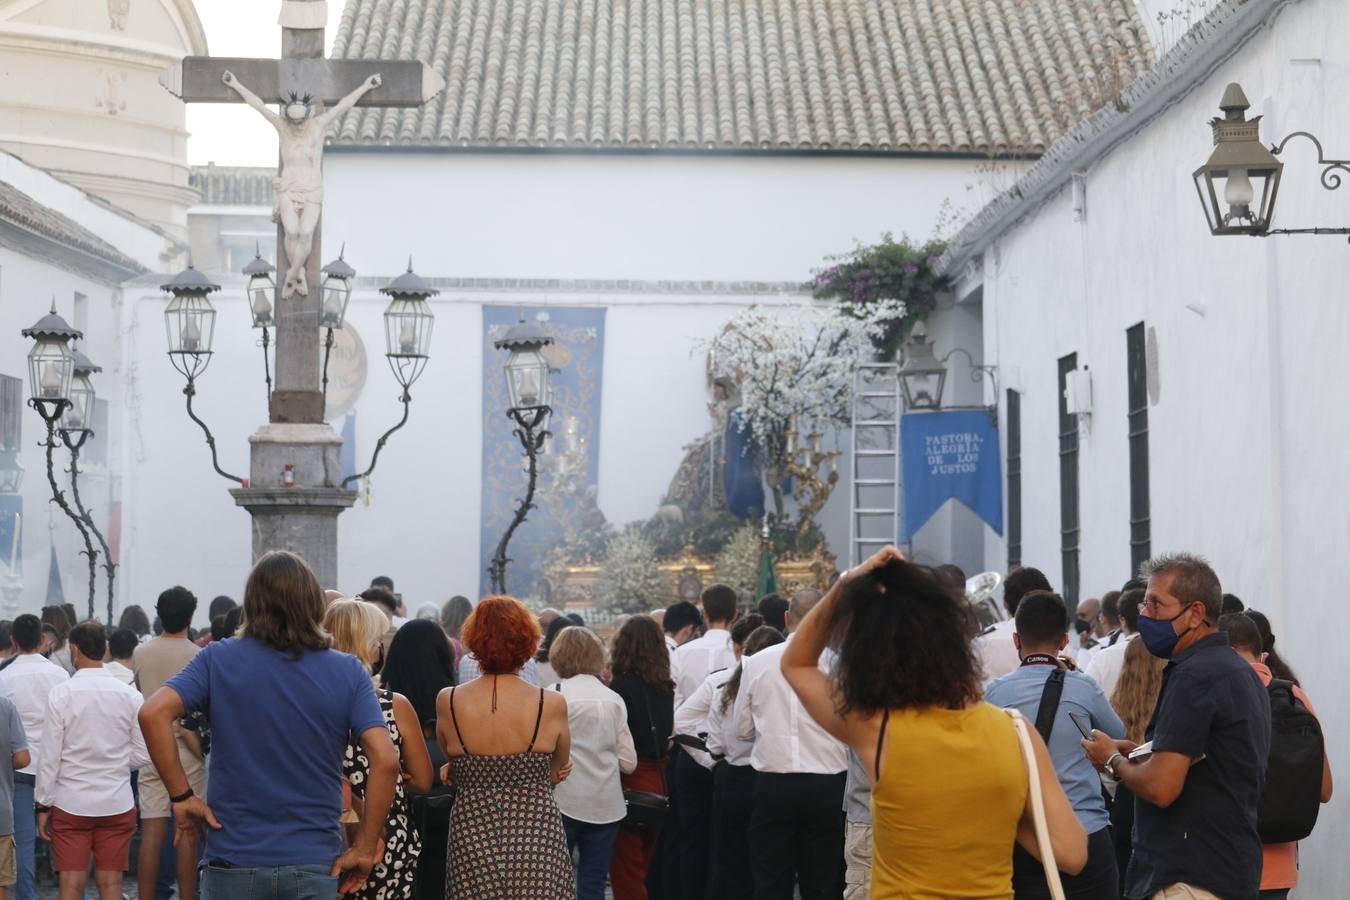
[{"x": 234, "y": 135}]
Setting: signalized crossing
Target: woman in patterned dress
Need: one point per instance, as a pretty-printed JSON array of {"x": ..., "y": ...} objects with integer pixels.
[
  {"x": 357, "y": 628},
  {"x": 508, "y": 745}
]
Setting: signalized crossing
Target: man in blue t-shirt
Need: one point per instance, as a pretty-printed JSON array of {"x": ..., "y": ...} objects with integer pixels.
[
  {"x": 282, "y": 708},
  {"x": 1042, "y": 633}
]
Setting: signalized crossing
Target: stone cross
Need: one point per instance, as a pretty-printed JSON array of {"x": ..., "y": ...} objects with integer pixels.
[
  {"x": 302, "y": 73},
  {"x": 294, "y": 495}
]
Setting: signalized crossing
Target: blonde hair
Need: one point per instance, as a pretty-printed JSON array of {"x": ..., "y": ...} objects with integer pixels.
[
  {"x": 576, "y": 651},
  {"x": 1137, "y": 689},
  {"x": 356, "y": 627}
]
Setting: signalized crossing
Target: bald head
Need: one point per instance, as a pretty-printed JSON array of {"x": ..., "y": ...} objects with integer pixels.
[{"x": 800, "y": 605}]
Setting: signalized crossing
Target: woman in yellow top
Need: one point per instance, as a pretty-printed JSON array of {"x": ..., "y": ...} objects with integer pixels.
[{"x": 950, "y": 785}]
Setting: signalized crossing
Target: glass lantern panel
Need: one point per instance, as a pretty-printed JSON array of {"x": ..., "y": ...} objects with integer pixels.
[
  {"x": 407, "y": 327},
  {"x": 77, "y": 415},
  {"x": 11, "y": 472},
  {"x": 191, "y": 324},
  {"x": 527, "y": 380},
  {"x": 923, "y": 390},
  {"x": 260, "y": 293},
  {"x": 336, "y": 293},
  {"x": 50, "y": 367}
]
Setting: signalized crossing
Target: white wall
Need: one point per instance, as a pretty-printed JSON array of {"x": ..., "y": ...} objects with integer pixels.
[
  {"x": 1247, "y": 437},
  {"x": 732, "y": 218}
]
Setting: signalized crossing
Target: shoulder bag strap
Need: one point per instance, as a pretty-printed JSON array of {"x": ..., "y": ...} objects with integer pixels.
[
  {"x": 1038, "y": 806},
  {"x": 1045, "y": 716}
]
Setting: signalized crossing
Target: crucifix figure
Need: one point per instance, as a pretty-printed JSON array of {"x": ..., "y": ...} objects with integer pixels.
[
  {"x": 302, "y": 126},
  {"x": 278, "y": 88}
]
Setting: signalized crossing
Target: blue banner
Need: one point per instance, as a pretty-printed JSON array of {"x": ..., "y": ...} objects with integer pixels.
[
  {"x": 946, "y": 456},
  {"x": 569, "y": 466}
]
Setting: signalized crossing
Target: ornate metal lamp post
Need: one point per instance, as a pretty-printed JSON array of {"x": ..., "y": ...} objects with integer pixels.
[
  {"x": 51, "y": 368},
  {"x": 261, "y": 289},
  {"x": 337, "y": 293},
  {"x": 1250, "y": 174},
  {"x": 531, "y": 398},
  {"x": 76, "y": 428},
  {"x": 190, "y": 321},
  {"x": 407, "y": 334}
]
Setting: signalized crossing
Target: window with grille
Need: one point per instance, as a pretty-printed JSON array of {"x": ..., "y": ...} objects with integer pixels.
[
  {"x": 1014, "y": 470},
  {"x": 1069, "y": 529},
  {"x": 1136, "y": 360}
]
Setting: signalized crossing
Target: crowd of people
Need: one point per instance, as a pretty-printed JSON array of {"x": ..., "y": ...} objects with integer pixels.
[{"x": 864, "y": 741}]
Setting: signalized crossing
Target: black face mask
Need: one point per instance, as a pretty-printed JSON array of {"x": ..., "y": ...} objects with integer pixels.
[{"x": 378, "y": 664}]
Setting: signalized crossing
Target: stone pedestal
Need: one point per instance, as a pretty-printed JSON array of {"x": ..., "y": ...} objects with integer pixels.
[{"x": 302, "y": 517}]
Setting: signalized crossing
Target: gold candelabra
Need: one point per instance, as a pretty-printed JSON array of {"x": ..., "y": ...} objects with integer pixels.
[{"x": 803, "y": 463}]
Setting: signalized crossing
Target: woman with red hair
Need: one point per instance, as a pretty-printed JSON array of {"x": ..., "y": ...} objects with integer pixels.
[{"x": 518, "y": 748}]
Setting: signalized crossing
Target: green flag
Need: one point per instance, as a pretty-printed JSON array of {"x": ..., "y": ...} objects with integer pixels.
[{"x": 768, "y": 583}]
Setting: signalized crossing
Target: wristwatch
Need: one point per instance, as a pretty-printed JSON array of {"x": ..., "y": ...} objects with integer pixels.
[
  {"x": 1111, "y": 763},
  {"x": 186, "y": 795}
]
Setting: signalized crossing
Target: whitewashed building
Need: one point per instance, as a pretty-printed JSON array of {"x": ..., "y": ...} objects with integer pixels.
[{"x": 1215, "y": 421}]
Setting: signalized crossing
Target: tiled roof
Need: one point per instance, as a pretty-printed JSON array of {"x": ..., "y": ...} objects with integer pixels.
[
  {"x": 232, "y": 185},
  {"x": 61, "y": 239},
  {"x": 838, "y": 75}
]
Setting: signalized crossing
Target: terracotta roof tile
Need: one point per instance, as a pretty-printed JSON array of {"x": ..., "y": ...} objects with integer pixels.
[{"x": 857, "y": 75}]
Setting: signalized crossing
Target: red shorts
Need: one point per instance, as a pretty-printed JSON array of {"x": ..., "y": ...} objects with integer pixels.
[{"x": 76, "y": 838}]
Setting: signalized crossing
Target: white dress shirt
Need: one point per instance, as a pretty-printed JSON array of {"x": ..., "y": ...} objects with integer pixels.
[
  {"x": 693, "y": 661},
  {"x": 996, "y": 651},
  {"x": 786, "y": 738},
  {"x": 602, "y": 747},
  {"x": 1106, "y": 666},
  {"x": 91, "y": 744},
  {"x": 691, "y": 717},
  {"x": 468, "y": 670},
  {"x": 26, "y": 682},
  {"x": 120, "y": 672},
  {"x": 722, "y": 736}
]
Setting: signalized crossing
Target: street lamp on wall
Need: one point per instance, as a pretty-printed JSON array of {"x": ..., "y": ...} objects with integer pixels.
[
  {"x": 923, "y": 377},
  {"x": 261, "y": 290},
  {"x": 531, "y": 397},
  {"x": 51, "y": 368},
  {"x": 1239, "y": 184}
]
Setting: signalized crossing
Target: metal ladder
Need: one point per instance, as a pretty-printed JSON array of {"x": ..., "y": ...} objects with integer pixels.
[{"x": 874, "y": 495}]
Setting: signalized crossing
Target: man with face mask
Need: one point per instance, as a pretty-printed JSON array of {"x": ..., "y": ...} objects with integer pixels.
[{"x": 1197, "y": 792}]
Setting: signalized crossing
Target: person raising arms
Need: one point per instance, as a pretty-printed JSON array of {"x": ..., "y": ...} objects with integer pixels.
[{"x": 950, "y": 785}]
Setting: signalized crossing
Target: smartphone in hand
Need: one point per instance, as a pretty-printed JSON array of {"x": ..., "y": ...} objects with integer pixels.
[{"x": 1083, "y": 724}]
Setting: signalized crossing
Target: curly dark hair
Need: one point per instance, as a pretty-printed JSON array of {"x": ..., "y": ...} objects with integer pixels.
[
  {"x": 639, "y": 649},
  {"x": 904, "y": 642}
]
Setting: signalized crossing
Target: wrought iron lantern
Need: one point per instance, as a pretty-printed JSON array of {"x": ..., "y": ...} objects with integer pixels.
[
  {"x": 190, "y": 321},
  {"x": 261, "y": 291},
  {"x": 923, "y": 376},
  {"x": 1239, "y": 182},
  {"x": 407, "y": 325},
  {"x": 337, "y": 291},
  {"x": 51, "y": 365},
  {"x": 527, "y": 369},
  {"x": 79, "y": 415}
]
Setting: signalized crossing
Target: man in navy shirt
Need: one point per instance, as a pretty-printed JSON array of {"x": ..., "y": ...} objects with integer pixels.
[
  {"x": 282, "y": 707},
  {"x": 1041, "y": 635},
  {"x": 1197, "y": 793}
]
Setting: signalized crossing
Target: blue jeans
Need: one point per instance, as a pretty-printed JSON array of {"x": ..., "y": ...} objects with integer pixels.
[
  {"x": 274, "y": 883},
  {"x": 25, "y": 837},
  {"x": 594, "y": 846}
]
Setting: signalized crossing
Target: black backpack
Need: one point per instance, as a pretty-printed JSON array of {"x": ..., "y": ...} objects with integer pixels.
[{"x": 1293, "y": 792}]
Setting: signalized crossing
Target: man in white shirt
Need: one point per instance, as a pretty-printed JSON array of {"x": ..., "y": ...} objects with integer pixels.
[
  {"x": 27, "y": 681},
  {"x": 690, "y": 665},
  {"x": 681, "y": 623},
  {"x": 90, "y": 745},
  {"x": 122, "y": 645},
  {"x": 797, "y": 814},
  {"x": 995, "y": 649},
  {"x": 1106, "y": 666}
]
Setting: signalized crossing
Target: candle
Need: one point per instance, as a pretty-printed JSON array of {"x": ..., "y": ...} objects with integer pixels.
[
  {"x": 407, "y": 337},
  {"x": 50, "y": 380},
  {"x": 332, "y": 308},
  {"x": 192, "y": 334},
  {"x": 529, "y": 389},
  {"x": 262, "y": 307}
]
